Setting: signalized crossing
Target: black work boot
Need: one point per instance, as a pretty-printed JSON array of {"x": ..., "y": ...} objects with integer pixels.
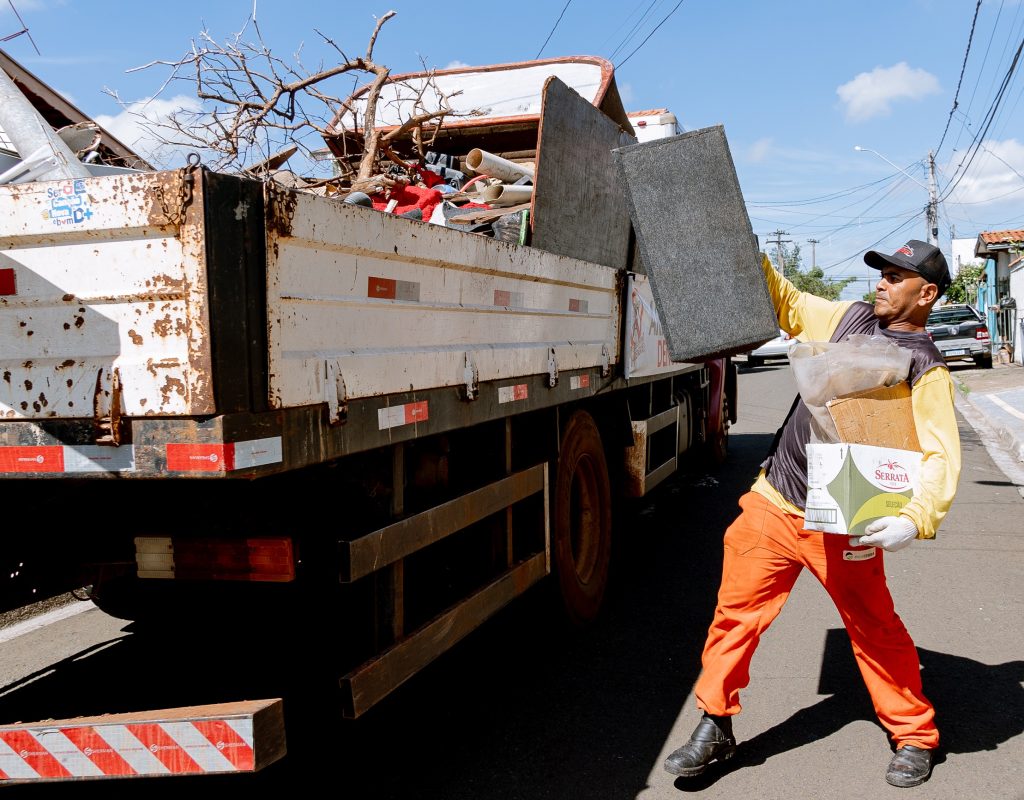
[
  {"x": 711, "y": 741},
  {"x": 910, "y": 766}
]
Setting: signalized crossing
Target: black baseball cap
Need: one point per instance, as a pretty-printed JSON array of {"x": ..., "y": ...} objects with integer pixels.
[{"x": 917, "y": 256}]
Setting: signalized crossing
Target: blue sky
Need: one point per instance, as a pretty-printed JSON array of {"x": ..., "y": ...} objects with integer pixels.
[{"x": 795, "y": 84}]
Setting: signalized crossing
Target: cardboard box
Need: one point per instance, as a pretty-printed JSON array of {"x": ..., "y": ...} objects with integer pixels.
[
  {"x": 883, "y": 416},
  {"x": 851, "y": 485}
]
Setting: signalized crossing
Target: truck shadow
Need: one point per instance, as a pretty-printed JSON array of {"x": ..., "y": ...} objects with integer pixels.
[{"x": 522, "y": 708}]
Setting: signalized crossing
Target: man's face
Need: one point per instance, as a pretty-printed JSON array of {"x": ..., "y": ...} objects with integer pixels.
[{"x": 899, "y": 295}]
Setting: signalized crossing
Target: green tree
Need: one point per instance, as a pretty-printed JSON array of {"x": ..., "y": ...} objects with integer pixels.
[
  {"x": 812, "y": 280},
  {"x": 964, "y": 288}
]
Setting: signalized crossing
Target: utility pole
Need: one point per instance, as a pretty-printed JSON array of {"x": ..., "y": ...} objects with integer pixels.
[
  {"x": 932, "y": 210},
  {"x": 812, "y": 242},
  {"x": 933, "y": 203},
  {"x": 778, "y": 248}
]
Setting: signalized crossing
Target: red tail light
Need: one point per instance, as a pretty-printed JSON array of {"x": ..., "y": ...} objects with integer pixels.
[
  {"x": 256, "y": 559},
  {"x": 982, "y": 333}
]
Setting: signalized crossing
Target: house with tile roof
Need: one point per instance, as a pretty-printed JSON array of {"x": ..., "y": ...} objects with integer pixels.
[
  {"x": 110, "y": 153},
  {"x": 1003, "y": 291}
]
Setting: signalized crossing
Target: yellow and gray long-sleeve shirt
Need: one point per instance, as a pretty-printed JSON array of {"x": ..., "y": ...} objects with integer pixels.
[{"x": 783, "y": 478}]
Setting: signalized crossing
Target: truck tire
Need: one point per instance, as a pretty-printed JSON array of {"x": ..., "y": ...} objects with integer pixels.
[
  {"x": 717, "y": 444},
  {"x": 582, "y": 520}
]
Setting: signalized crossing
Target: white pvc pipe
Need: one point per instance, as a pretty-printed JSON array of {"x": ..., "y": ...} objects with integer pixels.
[
  {"x": 502, "y": 194},
  {"x": 480, "y": 161}
]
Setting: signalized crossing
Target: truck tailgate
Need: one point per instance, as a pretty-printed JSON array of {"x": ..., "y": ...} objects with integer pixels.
[{"x": 97, "y": 280}]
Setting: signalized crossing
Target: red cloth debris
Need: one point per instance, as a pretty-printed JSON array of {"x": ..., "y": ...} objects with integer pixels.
[{"x": 409, "y": 197}]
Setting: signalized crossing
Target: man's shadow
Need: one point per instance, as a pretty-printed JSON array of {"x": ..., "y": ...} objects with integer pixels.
[{"x": 977, "y": 707}]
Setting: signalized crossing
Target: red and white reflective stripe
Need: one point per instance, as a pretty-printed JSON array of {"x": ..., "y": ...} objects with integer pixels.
[
  {"x": 390, "y": 289},
  {"x": 508, "y": 394},
  {"x": 506, "y": 298},
  {"x": 186, "y": 747},
  {"x": 395, "y": 416},
  {"x": 62, "y": 458},
  {"x": 579, "y": 381},
  {"x": 223, "y": 456}
]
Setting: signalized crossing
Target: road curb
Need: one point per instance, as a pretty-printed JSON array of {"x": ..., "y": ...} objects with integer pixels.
[{"x": 1004, "y": 433}]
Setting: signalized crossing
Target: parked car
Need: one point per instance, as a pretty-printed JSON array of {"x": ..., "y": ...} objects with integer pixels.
[
  {"x": 960, "y": 333},
  {"x": 775, "y": 349}
]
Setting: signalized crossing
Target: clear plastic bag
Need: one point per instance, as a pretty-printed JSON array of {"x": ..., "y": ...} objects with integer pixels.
[{"x": 826, "y": 370}]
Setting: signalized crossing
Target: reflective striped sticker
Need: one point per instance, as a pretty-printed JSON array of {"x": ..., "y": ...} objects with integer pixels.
[
  {"x": 223, "y": 457},
  {"x": 184, "y": 747},
  {"x": 506, "y": 298},
  {"x": 508, "y": 394},
  {"x": 390, "y": 289},
  {"x": 396, "y": 416},
  {"x": 579, "y": 381}
]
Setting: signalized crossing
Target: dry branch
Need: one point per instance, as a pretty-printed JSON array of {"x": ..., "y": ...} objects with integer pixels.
[{"x": 253, "y": 105}]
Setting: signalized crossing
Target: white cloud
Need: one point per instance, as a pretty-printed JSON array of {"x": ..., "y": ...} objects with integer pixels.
[
  {"x": 991, "y": 175},
  {"x": 138, "y": 126},
  {"x": 872, "y": 94},
  {"x": 456, "y": 65},
  {"x": 759, "y": 150}
]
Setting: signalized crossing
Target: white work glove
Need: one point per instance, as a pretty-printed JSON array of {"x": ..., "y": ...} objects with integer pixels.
[{"x": 889, "y": 533}]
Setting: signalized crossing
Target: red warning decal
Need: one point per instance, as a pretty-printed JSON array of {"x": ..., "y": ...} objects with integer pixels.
[
  {"x": 8, "y": 284},
  {"x": 32, "y": 459},
  {"x": 200, "y": 457}
]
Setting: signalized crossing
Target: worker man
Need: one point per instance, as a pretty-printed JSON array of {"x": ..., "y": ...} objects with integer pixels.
[{"x": 766, "y": 547}]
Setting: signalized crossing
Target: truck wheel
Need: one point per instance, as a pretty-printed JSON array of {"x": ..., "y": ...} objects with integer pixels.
[
  {"x": 718, "y": 441},
  {"x": 582, "y": 520}
]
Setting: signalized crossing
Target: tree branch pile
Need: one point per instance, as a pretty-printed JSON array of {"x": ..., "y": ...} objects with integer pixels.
[{"x": 256, "y": 110}]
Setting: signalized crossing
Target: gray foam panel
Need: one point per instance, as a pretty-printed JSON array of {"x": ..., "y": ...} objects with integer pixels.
[{"x": 696, "y": 244}]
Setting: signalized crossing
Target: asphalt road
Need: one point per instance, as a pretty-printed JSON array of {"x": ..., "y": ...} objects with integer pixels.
[{"x": 526, "y": 710}]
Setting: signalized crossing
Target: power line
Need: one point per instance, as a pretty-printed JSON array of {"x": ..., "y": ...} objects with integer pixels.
[
  {"x": 24, "y": 29},
  {"x": 988, "y": 119},
  {"x": 553, "y": 29},
  {"x": 959, "y": 82},
  {"x": 632, "y": 31},
  {"x": 669, "y": 14}
]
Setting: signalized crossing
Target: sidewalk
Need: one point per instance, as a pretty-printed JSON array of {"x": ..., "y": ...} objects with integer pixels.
[{"x": 997, "y": 395}]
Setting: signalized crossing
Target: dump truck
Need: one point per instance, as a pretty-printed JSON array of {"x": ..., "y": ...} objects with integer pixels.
[{"x": 245, "y": 395}]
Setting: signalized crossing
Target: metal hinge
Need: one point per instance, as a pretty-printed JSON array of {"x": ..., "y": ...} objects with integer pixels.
[
  {"x": 108, "y": 424},
  {"x": 606, "y": 361},
  {"x": 174, "y": 204},
  {"x": 335, "y": 393},
  {"x": 470, "y": 376},
  {"x": 552, "y": 368}
]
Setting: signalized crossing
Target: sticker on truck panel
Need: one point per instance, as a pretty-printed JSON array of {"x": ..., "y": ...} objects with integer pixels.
[
  {"x": 509, "y": 394},
  {"x": 391, "y": 289},
  {"x": 223, "y": 456},
  {"x": 67, "y": 203},
  {"x": 396, "y": 416},
  {"x": 66, "y": 458},
  {"x": 8, "y": 282}
]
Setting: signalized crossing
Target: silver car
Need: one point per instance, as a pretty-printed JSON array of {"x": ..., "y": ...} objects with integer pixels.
[
  {"x": 960, "y": 333},
  {"x": 775, "y": 349}
]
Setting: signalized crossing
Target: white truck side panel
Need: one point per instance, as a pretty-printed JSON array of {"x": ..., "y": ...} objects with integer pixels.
[
  {"x": 98, "y": 279},
  {"x": 392, "y": 305},
  {"x": 109, "y": 274}
]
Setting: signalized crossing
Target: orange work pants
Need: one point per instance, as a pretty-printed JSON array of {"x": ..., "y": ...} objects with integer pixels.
[{"x": 765, "y": 549}]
